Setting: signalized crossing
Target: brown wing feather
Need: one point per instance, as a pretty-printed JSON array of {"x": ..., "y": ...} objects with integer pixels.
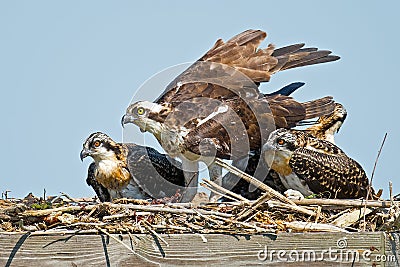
[
  {"x": 241, "y": 54},
  {"x": 337, "y": 174},
  {"x": 235, "y": 83}
]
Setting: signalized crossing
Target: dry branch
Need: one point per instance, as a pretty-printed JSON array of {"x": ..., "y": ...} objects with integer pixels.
[{"x": 254, "y": 181}]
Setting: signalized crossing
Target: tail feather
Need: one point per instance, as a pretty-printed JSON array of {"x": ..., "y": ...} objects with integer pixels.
[{"x": 287, "y": 50}]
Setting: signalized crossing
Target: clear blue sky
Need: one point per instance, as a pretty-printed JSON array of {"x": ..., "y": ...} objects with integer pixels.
[{"x": 68, "y": 68}]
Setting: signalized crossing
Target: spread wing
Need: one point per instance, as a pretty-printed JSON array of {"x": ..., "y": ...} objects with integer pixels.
[
  {"x": 101, "y": 192},
  {"x": 245, "y": 125},
  {"x": 337, "y": 174},
  {"x": 230, "y": 73},
  {"x": 157, "y": 174},
  {"x": 238, "y": 64}
]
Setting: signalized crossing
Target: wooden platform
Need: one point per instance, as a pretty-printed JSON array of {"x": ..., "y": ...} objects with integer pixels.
[{"x": 297, "y": 249}]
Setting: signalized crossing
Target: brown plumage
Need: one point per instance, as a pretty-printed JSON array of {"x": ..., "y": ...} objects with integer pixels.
[
  {"x": 214, "y": 108},
  {"x": 313, "y": 166},
  {"x": 328, "y": 125},
  {"x": 228, "y": 74}
]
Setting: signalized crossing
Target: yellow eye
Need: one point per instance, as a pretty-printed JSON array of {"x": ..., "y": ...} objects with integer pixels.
[
  {"x": 281, "y": 142},
  {"x": 96, "y": 143},
  {"x": 140, "y": 111}
]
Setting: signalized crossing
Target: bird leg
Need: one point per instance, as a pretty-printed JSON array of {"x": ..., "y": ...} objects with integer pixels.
[
  {"x": 215, "y": 173},
  {"x": 191, "y": 173}
]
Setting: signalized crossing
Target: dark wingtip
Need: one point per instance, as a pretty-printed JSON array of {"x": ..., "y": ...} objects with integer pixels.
[{"x": 288, "y": 89}]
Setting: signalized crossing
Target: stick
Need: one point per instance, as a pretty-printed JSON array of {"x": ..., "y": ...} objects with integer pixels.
[
  {"x": 247, "y": 225},
  {"x": 350, "y": 218},
  {"x": 345, "y": 203},
  {"x": 372, "y": 176},
  {"x": 391, "y": 191},
  {"x": 236, "y": 197},
  {"x": 313, "y": 227},
  {"x": 206, "y": 186},
  {"x": 254, "y": 181},
  {"x": 265, "y": 198},
  {"x": 39, "y": 213}
]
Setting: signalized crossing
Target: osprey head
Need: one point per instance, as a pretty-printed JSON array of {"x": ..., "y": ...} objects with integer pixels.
[
  {"x": 334, "y": 121},
  {"x": 146, "y": 115},
  {"x": 100, "y": 146},
  {"x": 278, "y": 150}
]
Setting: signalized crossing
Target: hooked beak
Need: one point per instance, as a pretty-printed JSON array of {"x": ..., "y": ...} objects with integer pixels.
[
  {"x": 84, "y": 154},
  {"x": 127, "y": 118}
]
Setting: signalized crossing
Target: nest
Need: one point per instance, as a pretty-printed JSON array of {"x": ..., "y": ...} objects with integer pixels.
[
  {"x": 270, "y": 213},
  {"x": 264, "y": 215}
]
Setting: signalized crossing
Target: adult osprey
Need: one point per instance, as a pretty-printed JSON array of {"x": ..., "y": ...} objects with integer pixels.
[
  {"x": 130, "y": 171},
  {"x": 314, "y": 166},
  {"x": 214, "y": 108}
]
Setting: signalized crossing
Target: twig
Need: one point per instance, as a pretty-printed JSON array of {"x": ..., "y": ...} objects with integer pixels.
[
  {"x": 39, "y": 213},
  {"x": 351, "y": 217},
  {"x": 313, "y": 227},
  {"x": 391, "y": 191},
  {"x": 372, "y": 176},
  {"x": 253, "y": 181},
  {"x": 236, "y": 197},
  {"x": 376, "y": 162},
  {"x": 216, "y": 191},
  {"x": 126, "y": 246},
  {"x": 264, "y": 198},
  {"x": 333, "y": 217},
  {"x": 202, "y": 237},
  {"x": 318, "y": 214},
  {"x": 116, "y": 216},
  {"x": 92, "y": 211},
  {"x": 344, "y": 203},
  {"x": 245, "y": 224},
  {"x": 207, "y": 218},
  {"x": 167, "y": 210}
]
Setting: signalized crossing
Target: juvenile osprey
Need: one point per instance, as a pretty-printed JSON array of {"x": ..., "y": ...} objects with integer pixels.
[
  {"x": 214, "y": 108},
  {"x": 314, "y": 166},
  {"x": 129, "y": 170},
  {"x": 324, "y": 129},
  {"x": 102, "y": 193}
]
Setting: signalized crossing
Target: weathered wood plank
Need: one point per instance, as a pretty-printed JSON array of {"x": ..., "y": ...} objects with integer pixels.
[
  {"x": 300, "y": 249},
  {"x": 392, "y": 249}
]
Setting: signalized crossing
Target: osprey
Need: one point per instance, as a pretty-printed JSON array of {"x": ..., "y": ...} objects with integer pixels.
[
  {"x": 129, "y": 170},
  {"x": 328, "y": 125},
  {"x": 314, "y": 166},
  {"x": 324, "y": 129},
  {"x": 251, "y": 163},
  {"x": 101, "y": 192},
  {"x": 214, "y": 108}
]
